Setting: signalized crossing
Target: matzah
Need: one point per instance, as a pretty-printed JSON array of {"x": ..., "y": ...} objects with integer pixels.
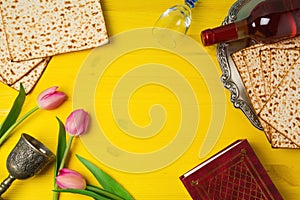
[
  {"x": 277, "y": 139},
  {"x": 31, "y": 78},
  {"x": 11, "y": 72},
  {"x": 238, "y": 58},
  {"x": 282, "y": 110},
  {"x": 273, "y": 56},
  {"x": 280, "y": 141},
  {"x": 265, "y": 62},
  {"x": 281, "y": 62},
  {"x": 289, "y": 43},
  {"x": 275, "y": 64},
  {"x": 241, "y": 65},
  {"x": 43, "y": 28},
  {"x": 261, "y": 68},
  {"x": 255, "y": 74}
]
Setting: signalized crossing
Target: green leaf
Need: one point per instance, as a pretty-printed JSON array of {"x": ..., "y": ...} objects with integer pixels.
[
  {"x": 60, "y": 150},
  {"x": 103, "y": 192},
  {"x": 84, "y": 192},
  {"x": 61, "y": 146},
  {"x": 14, "y": 112},
  {"x": 107, "y": 182}
]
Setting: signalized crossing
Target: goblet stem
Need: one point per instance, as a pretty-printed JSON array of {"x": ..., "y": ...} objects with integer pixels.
[{"x": 5, "y": 184}]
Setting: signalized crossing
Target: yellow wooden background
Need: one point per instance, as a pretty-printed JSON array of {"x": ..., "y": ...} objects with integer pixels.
[{"x": 282, "y": 165}]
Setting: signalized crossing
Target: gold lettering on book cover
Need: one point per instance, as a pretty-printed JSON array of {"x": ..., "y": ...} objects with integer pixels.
[
  {"x": 236, "y": 178},
  {"x": 195, "y": 183}
]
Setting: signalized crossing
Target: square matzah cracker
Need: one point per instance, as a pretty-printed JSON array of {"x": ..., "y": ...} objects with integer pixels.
[
  {"x": 241, "y": 65},
  {"x": 31, "y": 78},
  {"x": 10, "y": 71},
  {"x": 260, "y": 78},
  {"x": 253, "y": 64},
  {"x": 282, "y": 110},
  {"x": 276, "y": 139},
  {"x": 281, "y": 62},
  {"x": 268, "y": 54},
  {"x": 42, "y": 28}
]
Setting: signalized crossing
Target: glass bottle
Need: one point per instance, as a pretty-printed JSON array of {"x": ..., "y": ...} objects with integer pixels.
[{"x": 270, "y": 20}]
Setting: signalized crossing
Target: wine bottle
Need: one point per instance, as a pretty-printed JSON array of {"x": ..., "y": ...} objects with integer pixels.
[{"x": 269, "y": 21}]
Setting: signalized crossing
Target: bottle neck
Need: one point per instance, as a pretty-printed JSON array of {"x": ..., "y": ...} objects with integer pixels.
[{"x": 229, "y": 32}]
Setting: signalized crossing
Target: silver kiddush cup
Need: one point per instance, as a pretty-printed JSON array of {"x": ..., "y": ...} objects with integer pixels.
[{"x": 27, "y": 159}]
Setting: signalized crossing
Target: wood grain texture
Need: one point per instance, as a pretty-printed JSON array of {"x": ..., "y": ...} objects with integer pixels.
[{"x": 163, "y": 184}]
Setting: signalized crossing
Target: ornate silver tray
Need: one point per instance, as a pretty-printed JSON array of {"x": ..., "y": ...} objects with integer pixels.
[{"x": 230, "y": 76}]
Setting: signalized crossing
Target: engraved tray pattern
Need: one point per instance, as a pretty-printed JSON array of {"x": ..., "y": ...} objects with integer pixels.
[{"x": 230, "y": 76}]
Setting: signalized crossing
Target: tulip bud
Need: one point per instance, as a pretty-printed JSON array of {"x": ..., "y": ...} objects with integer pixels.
[
  {"x": 70, "y": 179},
  {"x": 77, "y": 122},
  {"x": 50, "y": 98}
]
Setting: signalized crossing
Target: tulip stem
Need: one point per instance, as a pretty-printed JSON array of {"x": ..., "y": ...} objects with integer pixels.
[
  {"x": 19, "y": 121},
  {"x": 55, "y": 194},
  {"x": 62, "y": 164}
]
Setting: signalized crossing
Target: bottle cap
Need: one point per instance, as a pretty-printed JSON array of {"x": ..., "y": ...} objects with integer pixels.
[
  {"x": 220, "y": 34},
  {"x": 207, "y": 37}
]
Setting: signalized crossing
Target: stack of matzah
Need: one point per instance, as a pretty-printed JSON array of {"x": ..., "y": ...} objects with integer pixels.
[
  {"x": 271, "y": 76},
  {"x": 32, "y": 31}
]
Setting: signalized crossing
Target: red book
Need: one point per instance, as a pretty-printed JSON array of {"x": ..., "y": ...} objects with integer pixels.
[{"x": 233, "y": 173}]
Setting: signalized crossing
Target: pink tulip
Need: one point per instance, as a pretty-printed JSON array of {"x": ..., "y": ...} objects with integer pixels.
[
  {"x": 50, "y": 98},
  {"x": 70, "y": 179},
  {"x": 77, "y": 122}
]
